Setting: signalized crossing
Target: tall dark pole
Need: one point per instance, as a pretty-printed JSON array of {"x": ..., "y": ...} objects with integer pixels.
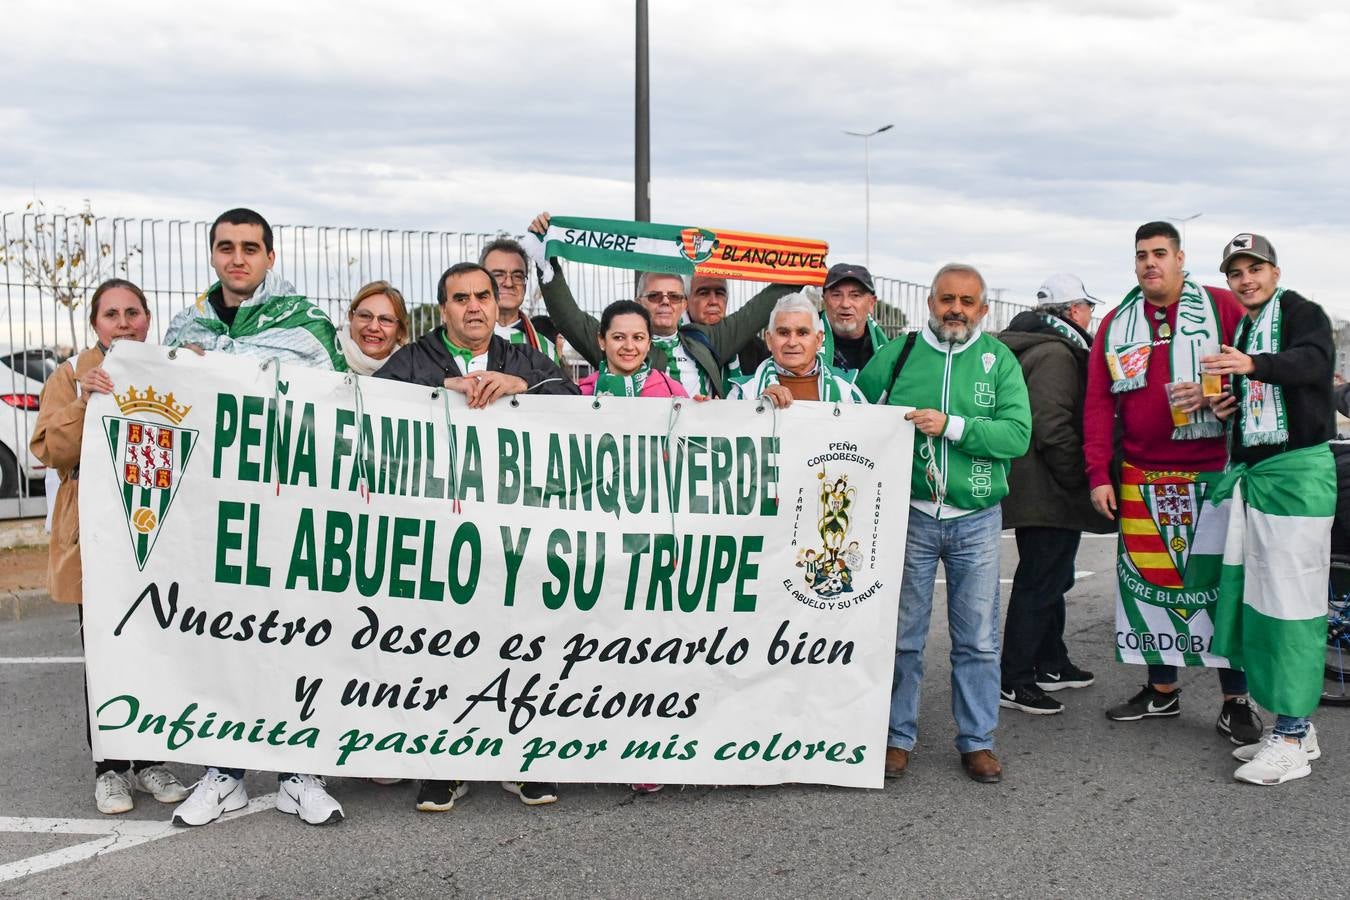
[{"x": 642, "y": 144}]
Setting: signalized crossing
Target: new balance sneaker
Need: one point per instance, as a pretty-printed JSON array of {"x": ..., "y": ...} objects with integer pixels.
[
  {"x": 112, "y": 793},
  {"x": 1308, "y": 744},
  {"x": 439, "y": 796},
  {"x": 1148, "y": 703},
  {"x": 159, "y": 783},
  {"x": 532, "y": 793},
  {"x": 1029, "y": 699},
  {"x": 647, "y": 788},
  {"x": 307, "y": 796},
  {"x": 1068, "y": 677},
  {"x": 1239, "y": 722},
  {"x": 214, "y": 794},
  {"x": 1276, "y": 762}
]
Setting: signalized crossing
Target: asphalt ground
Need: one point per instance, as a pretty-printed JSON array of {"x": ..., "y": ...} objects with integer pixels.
[{"x": 1087, "y": 808}]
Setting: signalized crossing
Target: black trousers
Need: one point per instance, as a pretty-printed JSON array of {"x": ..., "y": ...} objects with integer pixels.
[
  {"x": 1033, "y": 636},
  {"x": 103, "y": 765}
]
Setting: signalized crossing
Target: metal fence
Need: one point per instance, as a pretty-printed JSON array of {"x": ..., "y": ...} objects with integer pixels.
[{"x": 52, "y": 263}]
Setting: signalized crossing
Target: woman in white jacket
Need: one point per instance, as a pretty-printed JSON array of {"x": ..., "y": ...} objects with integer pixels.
[{"x": 377, "y": 325}]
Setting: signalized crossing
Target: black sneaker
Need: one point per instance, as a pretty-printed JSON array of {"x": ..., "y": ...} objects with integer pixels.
[
  {"x": 532, "y": 793},
  {"x": 1068, "y": 677},
  {"x": 439, "y": 796},
  {"x": 1147, "y": 704},
  {"x": 1239, "y": 722},
  {"x": 1029, "y": 699}
]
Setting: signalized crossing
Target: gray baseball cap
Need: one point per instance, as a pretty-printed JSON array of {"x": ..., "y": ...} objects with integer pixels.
[
  {"x": 845, "y": 272},
  {"x": 1254, "y": 245}
]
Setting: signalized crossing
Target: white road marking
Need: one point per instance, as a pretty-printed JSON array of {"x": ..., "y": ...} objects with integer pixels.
[
  {"x": 1077, "y": 576},
  {"x": 40, "y": 661},
  {"x": 114, "y": 834}
]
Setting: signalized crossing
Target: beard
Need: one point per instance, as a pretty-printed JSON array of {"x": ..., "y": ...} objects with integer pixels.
[{"x": 955, "y": 330}]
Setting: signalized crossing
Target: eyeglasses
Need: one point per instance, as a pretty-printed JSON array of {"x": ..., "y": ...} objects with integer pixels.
[
  {"x": 364, "y": 317},
  {"x": 502, "y": 276},
  {"x": 671, "y": 297}
]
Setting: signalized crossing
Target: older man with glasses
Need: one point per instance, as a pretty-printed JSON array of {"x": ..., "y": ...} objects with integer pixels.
[
  {"x": 692, "y": 354},
  {"x": 505, "y": 261}
]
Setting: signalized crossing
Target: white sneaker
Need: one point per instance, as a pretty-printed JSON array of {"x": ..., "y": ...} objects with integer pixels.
[
  {"x": 1276, "y": 762},
  {"x": 214, "y": 794},
  {"x": 159, "y": 783},
  {"x": 307, "y": 796},
  {"x": 1308, "y": 743},
  {"x": 112, "y": 794}
]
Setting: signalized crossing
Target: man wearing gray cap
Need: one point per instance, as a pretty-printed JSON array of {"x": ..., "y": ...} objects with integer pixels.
[
  {"x": 1271, "y": 612},
  {"x": 851, "y": 335},
  {"x": 1048, "y": 503}
]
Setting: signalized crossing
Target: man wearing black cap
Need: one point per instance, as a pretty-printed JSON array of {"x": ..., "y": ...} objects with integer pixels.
[
  {"x": 851, "y": 335},
  {"x": 1271, "y": 612},
  {"x": 1048, "y": 503}
]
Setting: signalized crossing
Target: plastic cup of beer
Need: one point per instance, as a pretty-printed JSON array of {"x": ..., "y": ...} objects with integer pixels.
[
  {"x": 1179, "y": 416},
  {"x": 1211, "y": 385}
]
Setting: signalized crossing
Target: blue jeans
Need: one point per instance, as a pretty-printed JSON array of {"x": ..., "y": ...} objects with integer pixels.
[
  {"x": 1231, "y": 681},
  {"x": 1292, "y": 726},
  {"x": 968, "y": 548}
]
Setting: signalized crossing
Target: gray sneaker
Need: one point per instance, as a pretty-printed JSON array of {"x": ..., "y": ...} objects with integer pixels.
[
  {"x": 159, "y": 783},
  {"x": 112, "y": 794}
]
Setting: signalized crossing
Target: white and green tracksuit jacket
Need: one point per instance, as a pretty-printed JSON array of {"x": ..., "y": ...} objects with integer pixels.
[{"x": 979, "y": 386}]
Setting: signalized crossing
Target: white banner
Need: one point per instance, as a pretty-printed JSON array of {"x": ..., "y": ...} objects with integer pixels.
[{"x": 627, "y": 590}]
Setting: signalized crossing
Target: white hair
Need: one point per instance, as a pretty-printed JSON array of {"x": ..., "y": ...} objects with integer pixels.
[
  {"x": 959, "y": 269},
  {"x": 647, "y": 276},
  {"x": 795, "y": 303}
]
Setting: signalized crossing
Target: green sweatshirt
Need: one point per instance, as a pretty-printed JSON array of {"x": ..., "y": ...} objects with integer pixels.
[{"x": 979, "y": 386}]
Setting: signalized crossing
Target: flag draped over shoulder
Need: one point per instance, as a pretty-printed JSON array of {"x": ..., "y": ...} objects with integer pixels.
[{"x": 1271, "y": 615}]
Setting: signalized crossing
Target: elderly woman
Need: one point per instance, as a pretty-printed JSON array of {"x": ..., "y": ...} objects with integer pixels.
[
  {"x": 378, "y": 325},
  {"x": 117, "y": 311},
  {"x": 796, "y": 370}
]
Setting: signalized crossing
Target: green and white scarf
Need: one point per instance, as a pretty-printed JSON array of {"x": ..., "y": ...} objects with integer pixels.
[
  {"x": 609, "y": 384},
  {"x": 831, "y": 387},
  {"x": 523, "y": 334},
  {"x": 1129, "y": 344},
  {"x": 690, "y": 375},
  {"x": 1263, "y": 415},
  {"x": 874, "y": 333},
  {"x": 1065, "y": 329}
]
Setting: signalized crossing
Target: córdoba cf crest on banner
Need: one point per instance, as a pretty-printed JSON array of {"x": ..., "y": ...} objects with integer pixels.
[{"x": 149, "y": 459}]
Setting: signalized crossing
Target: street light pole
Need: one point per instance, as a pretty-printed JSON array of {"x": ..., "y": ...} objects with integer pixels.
[
  {"x": 867, "y": 189},
  {"x": 642, "y": 148},
  {"x": 1182, "y": 220}
]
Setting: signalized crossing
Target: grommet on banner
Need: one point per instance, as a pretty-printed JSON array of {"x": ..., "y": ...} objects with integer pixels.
[
  {"x": 265, "y": 363},
  {"x": 347, "y": 380},
  {"x": 515, "y": 404},
  {"x": 436, "y": 394},
  {"x": 595, "y": 404},
  {"x": 173, "y": 353},
  {"x": 837, "y": 412}
]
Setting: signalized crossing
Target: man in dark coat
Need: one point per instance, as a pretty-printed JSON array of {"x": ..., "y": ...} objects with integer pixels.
[{"x": 1048, "y": 505}]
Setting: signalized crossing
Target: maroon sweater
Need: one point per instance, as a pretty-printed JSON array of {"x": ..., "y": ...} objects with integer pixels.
[{"x": 1145, "y": 414}]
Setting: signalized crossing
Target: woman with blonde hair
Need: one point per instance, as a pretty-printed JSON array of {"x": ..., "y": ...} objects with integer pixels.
[{"x": 378, "y": 325}]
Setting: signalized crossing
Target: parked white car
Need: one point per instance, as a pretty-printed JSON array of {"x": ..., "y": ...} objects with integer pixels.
[{"x": 22, "y": 374}]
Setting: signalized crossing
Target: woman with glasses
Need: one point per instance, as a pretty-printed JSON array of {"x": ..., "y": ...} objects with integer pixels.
[{"x": 378, "y": 325}]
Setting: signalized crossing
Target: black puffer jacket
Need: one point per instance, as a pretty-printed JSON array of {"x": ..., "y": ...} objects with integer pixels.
[
  {"x": 1048, "y": 488},
  {"x": 426, "y": 361}
]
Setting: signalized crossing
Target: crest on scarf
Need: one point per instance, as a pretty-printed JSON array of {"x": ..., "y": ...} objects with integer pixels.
[
  {"x": 149, "y": 459},
  {"x": 697, "y": 244}
]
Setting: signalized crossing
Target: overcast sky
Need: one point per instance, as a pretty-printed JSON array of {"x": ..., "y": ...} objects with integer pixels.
[{"x": 1030, "y": 137}]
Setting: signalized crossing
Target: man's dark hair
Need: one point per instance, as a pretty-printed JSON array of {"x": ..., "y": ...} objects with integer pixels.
[
  {"x": 242, "y": 216},
  {"x": 624, "y": 308},
  {"x": 506, "y": 245},
  {"x": 459, "y": 269},
  {"x": 1158, "y": 229}
]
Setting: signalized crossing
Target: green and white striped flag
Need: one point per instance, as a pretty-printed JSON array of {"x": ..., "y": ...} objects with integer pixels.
[{"x": 1271, "y": 616}]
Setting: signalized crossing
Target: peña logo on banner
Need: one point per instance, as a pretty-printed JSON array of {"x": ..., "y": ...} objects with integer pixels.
[{"x": 369, "y": 579}]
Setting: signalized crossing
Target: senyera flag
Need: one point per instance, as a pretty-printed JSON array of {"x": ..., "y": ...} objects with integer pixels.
[{"x": 685, "y": 250}]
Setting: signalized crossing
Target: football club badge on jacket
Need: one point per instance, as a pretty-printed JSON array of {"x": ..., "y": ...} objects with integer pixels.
[{"x": 149, "y": 459}]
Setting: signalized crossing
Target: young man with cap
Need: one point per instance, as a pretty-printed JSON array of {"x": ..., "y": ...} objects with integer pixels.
[
  {"x": 972, "y": 418},
  {"x": 852, "y": 337},
  {"x": 1048, "y": 505},
  {"x": 1144, "y": 379},
  {"x": 1272, "y": 599}
]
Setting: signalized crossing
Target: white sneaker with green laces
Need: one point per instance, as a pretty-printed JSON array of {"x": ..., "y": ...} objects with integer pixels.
[
  {"x": 112, "y": 793},
  {"x": 1275, "y": 762},
  {"x": 159, "y": 783},
  {"x": 1308, "y": 743}
]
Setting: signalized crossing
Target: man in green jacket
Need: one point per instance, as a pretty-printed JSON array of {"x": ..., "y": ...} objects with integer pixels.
[
  {"x": 692, "y": 354},
  {"x": 973, "y": 418}
]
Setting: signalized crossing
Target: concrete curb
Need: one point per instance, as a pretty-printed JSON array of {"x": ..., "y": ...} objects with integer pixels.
[{"x": 25, "y": 604}]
